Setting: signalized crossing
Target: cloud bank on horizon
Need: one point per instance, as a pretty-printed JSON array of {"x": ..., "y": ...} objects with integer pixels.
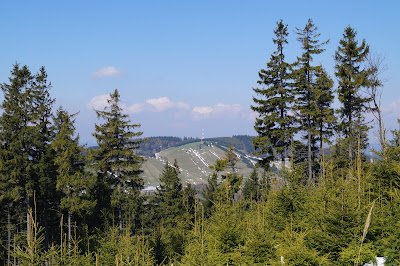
[
  {"x": 180, "y": 109},
  {"x": 160, "y": 108}
]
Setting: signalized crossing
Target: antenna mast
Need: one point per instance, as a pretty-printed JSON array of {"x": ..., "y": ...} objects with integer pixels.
[{"x": 202, "y": 138}]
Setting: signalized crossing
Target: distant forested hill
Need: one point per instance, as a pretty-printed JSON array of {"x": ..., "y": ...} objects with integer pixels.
[{"x": 156, "y": 144}]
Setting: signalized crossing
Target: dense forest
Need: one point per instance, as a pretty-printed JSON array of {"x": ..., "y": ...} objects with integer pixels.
[{"x": 63, "y": 204}]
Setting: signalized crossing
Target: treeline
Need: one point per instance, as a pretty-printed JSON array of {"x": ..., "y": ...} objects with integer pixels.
[
  {"x": 157, "y": 144},
  {"x": 62, "y": 204},
  {"x": 242, "y": 143}
]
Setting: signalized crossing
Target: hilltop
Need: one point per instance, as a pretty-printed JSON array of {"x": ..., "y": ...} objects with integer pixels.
[
  {"x": 153, "y": 145},
  {"x": 194, "y": 157}
]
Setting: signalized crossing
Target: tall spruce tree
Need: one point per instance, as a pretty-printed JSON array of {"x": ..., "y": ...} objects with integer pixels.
[
  {"x": 26, "y": 158},
  {"x": 72, "y": 180},
  {"x": 14, "y": 159},
  {"x": 352, "y": 78},
  {"x": 274, "y": 123},
  {"x": 210, "y": 194},
  {"x": 115, "y": 160},
  {"x": 305, "y": 75},
  {"x": 42, "y": 155},
  {"x": 170, "y": 195},
  {"x": 324, "y": 118},
  {"x": 169, "y": 204}
]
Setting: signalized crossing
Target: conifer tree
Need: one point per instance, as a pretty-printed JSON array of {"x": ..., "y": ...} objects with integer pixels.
[
  {"x": 42, "y": 155},
  {"x": 251, "y": 189},
  {"x": 274, "y": 123},
  {"x": 170, "y": 211},
  {"x": 170, "y": 194},
  {"x": 306, "y": 88},
  {"x": 72, "y": 180},
  {"x": 210, "y": 194},
  {"x": 265, "y": 185},
  {"x": 26, "y": 134},
  {"x": 14, "y": 160},
  {"x": 189, "y": 198},
  {"x": 232, "y": 180},
  {"x": 115, "y": 160},
  {"x": 325, "y": 118},
  {"x": 352, "y": 78}
]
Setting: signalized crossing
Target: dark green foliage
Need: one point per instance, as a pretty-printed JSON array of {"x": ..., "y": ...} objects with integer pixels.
[
  {"x": 232, "y": 181},
  {"x": 274, "y": 123},
  {"x": 170, "y": 195},
  {"x": 310, "y": 85},
  {"x": 115, "y": 160},
  {"x": 189, "y": 198},
  {"x": 265, "y": 184},
  {"x": 324, "y": 117},
  {"x": 251, "y": 189},
  {"x": 352, "y": 78},
  {"x": 27, "y": 167},
  {"x": 72, "y": 180},
  {"x": 391, "y": 242},
  {"x": 15, "y": 179},
  {"x": 210, "y": 194},
  {"x": 172, "y": 220},
  {"x": 241, "y": 143}
]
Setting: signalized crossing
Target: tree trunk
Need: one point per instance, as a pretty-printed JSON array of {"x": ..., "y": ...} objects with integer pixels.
[
  {"x": 15, "y": 258},
  {"x": 382, "y": 136},
  {"x": 119, "y": 211},
  {"x": 9, "y": 237},
  {"x": 46, "y": 228},
  {"x": 309, "y": 153},
  {"x": 350, "y": 139},
  {"x": 69, "y": 231},
  {"x": 120, "y": 219},
  {"x": 28, "y": 218}
]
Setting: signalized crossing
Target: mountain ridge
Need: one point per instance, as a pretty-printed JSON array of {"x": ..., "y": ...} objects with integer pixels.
[
  {"x": 194, "y": 157},
  {"x": 156, "y": 144}
]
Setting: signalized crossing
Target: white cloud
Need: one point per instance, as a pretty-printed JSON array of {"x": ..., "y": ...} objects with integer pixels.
[
  {"x": 180, "y": 109},
  {"x": 233, "y": 109},
  {"x": 98, "y": 102},
  {"x": 205, "y": 110},
  {"x": 136, "y": 108},
  {"x": 151, "y": 105},
  {"x": 393, "y": 107},
  {"x": 157, "y": 105},
  {"x": 219, "y": 110},
  {"x": 109, "y": 71}
]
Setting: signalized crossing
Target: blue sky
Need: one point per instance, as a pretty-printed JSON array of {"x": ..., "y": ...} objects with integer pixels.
[{"x": 180, "y": 66}]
